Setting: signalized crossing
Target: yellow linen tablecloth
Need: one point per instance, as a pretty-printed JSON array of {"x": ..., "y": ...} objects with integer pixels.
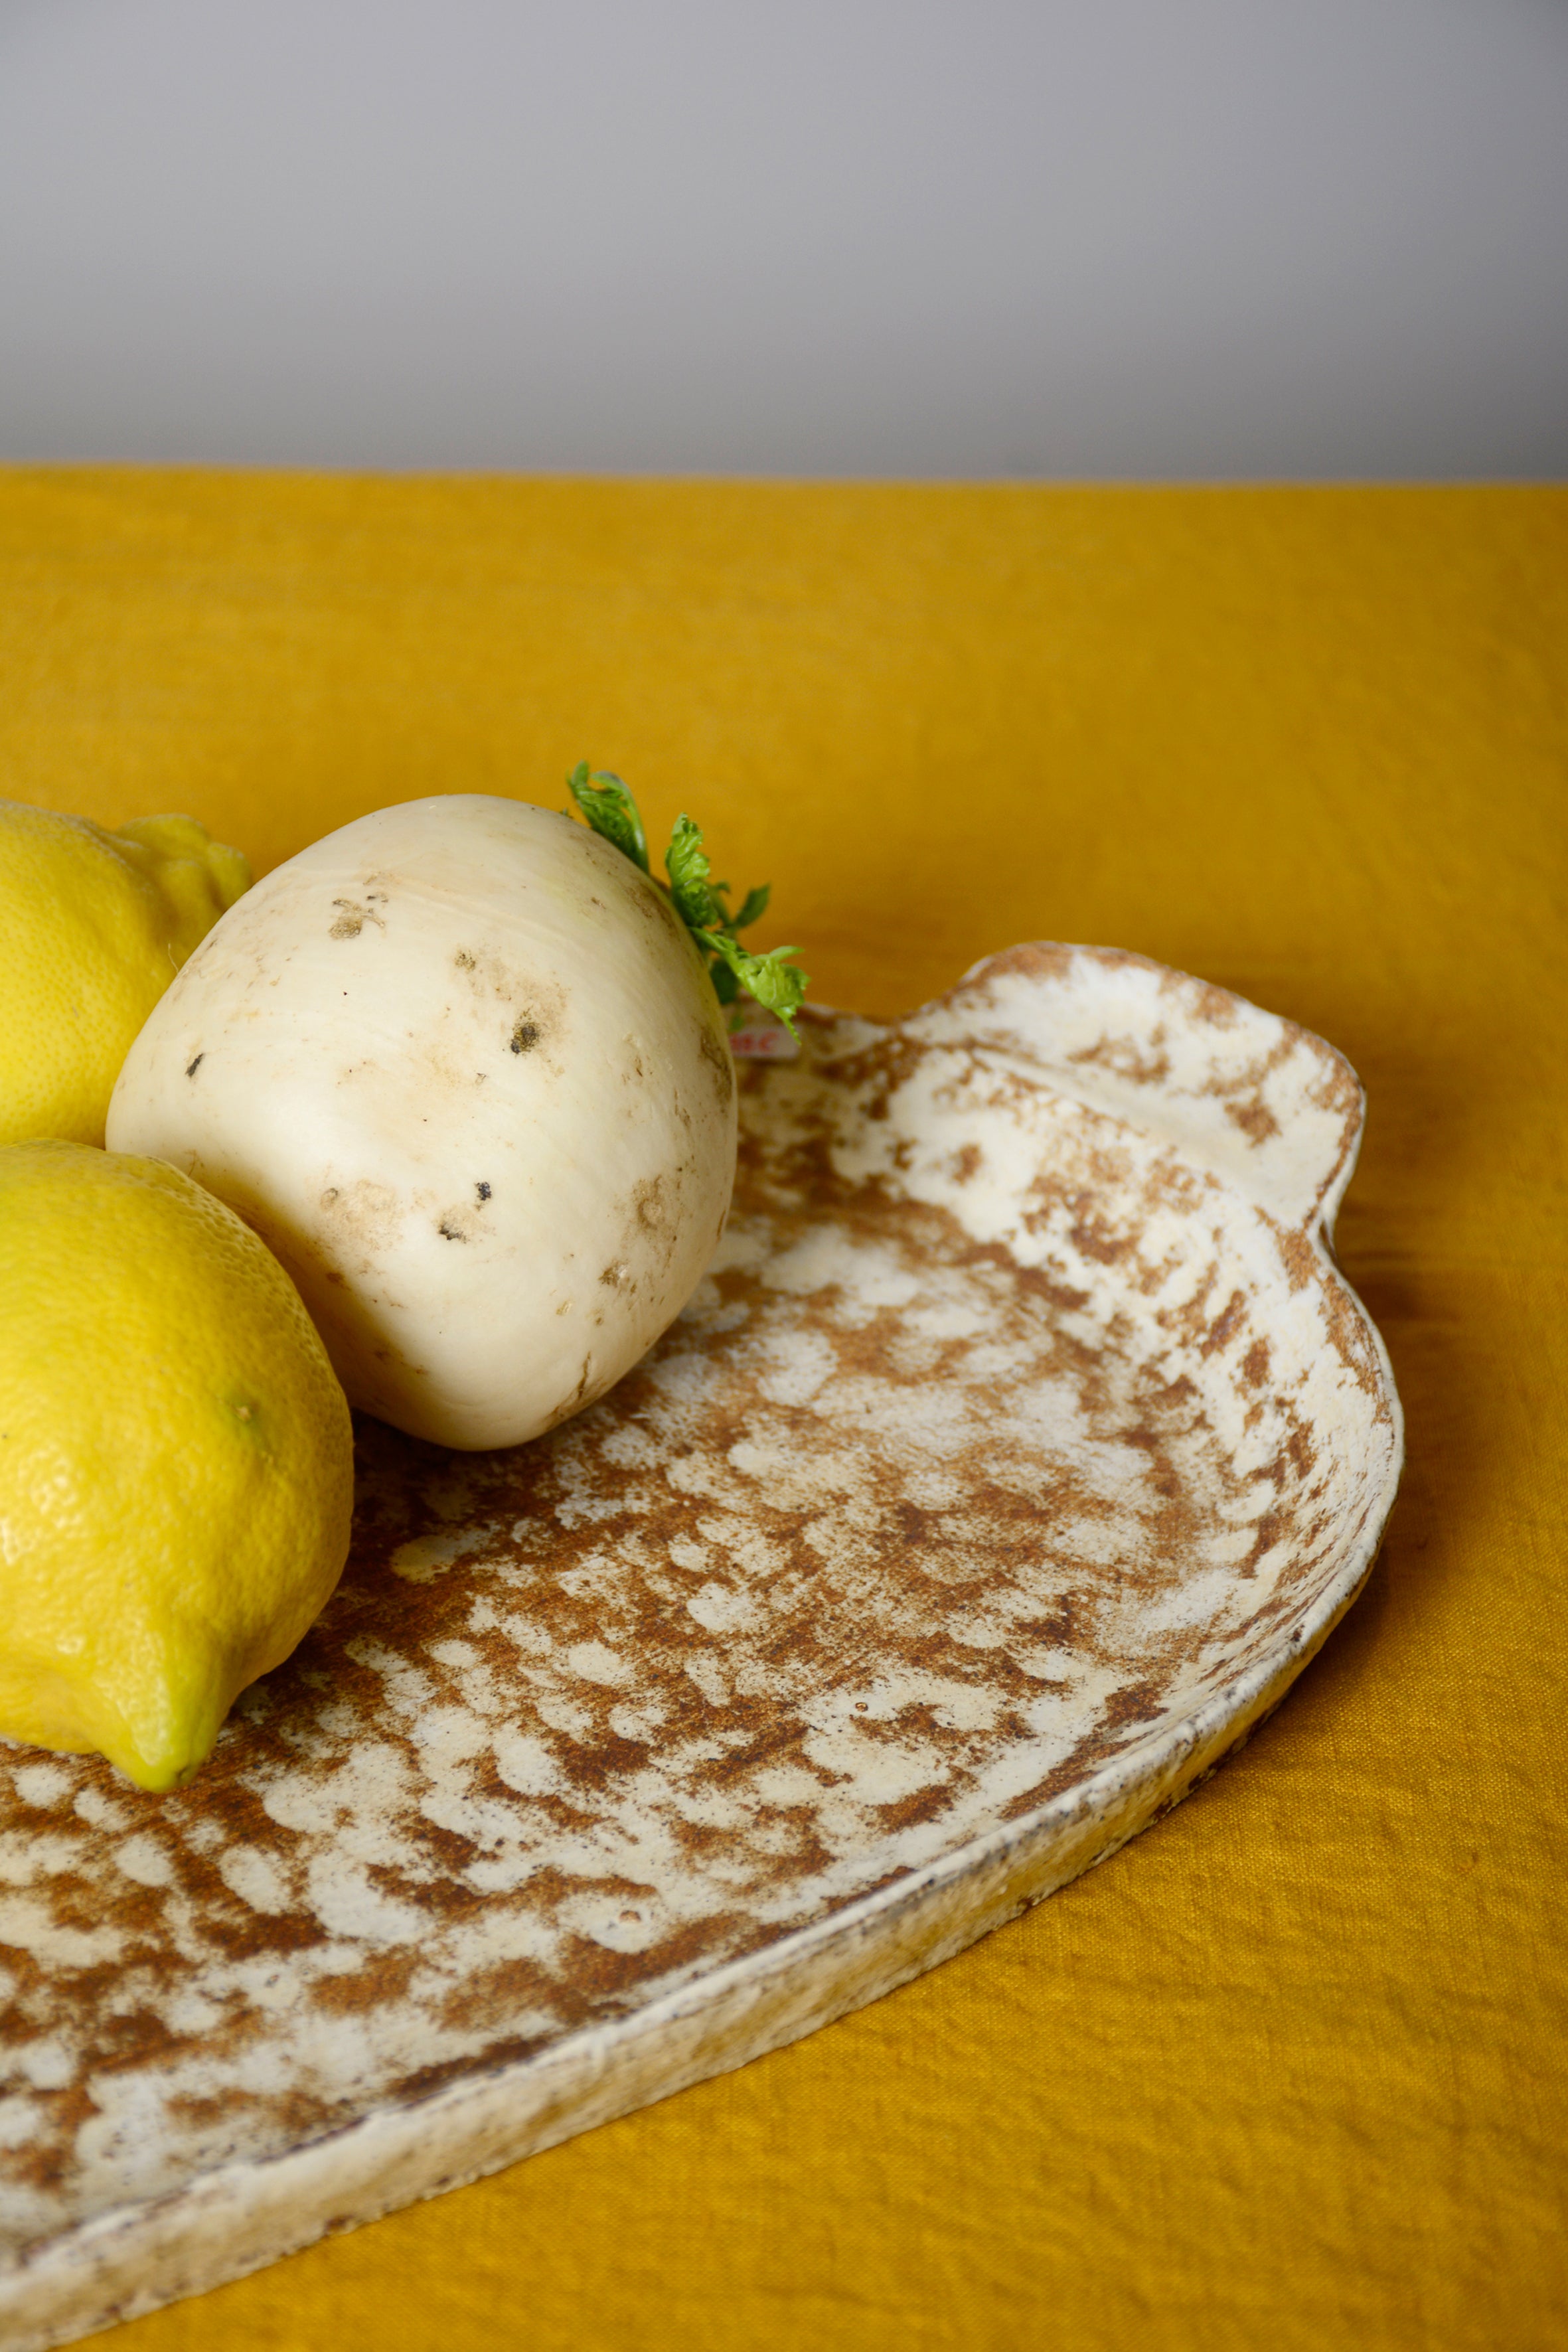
[{"x": 1291, "y": 2069}]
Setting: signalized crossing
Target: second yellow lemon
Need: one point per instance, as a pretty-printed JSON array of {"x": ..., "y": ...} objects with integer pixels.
[
  {"x": 176, "y": 1460},
  {"x": 95, "y": 925}
]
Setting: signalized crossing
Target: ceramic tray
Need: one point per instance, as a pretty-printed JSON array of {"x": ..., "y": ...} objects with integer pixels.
[{"x": 1021, "y": 1445}]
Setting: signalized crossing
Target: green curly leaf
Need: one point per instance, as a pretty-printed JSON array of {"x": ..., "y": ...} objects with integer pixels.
[
  {"x": 610, "y": 809},
  {"x": 768, "y": 979},
  {"x": 756, "y": 907},
  {"x": 701, "y": 903},
  {"x": 686, "y": 862}
]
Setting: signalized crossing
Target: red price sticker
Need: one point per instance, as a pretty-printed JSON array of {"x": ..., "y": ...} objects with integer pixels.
[{"x": 759, "y": 1041}]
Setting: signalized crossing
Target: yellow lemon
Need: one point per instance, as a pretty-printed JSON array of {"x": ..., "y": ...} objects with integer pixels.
[
  {"x": 95, "y": 927},
  {"x": 177, "y": 1461}
]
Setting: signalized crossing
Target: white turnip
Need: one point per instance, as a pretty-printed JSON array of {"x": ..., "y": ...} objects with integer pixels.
[{"x": 463, "y": 1067}]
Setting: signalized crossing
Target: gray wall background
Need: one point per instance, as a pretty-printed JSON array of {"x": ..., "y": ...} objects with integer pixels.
[{"x": 1135, "y": 238}]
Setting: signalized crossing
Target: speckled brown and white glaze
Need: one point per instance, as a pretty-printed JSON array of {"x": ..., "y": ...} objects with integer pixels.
[{"x": 1018, "y": 1448}]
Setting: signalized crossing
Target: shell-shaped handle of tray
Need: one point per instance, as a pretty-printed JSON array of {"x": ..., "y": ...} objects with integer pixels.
[{"x": 1266, "y": 1105}]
